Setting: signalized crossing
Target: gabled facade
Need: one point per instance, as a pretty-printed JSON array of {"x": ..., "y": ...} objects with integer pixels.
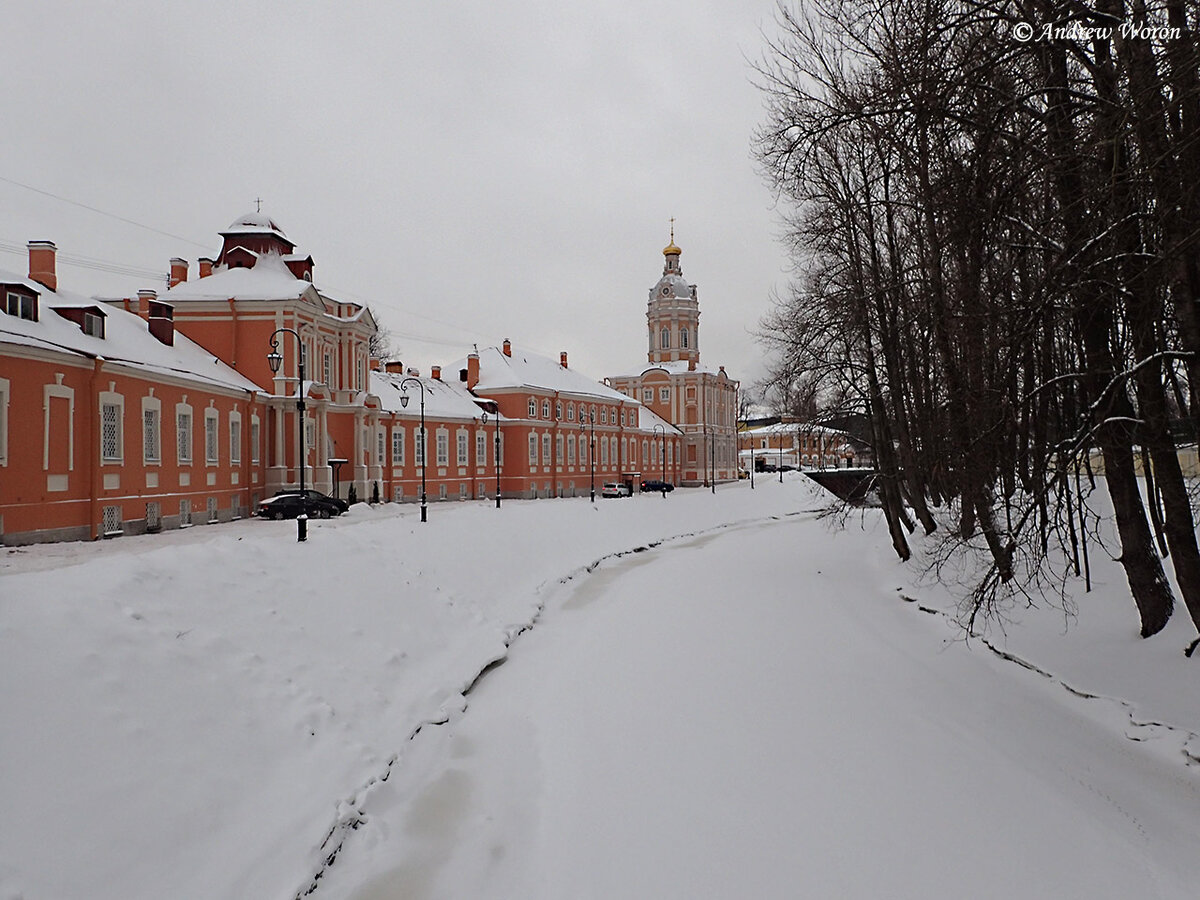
[{"x": 111, "y": 423}]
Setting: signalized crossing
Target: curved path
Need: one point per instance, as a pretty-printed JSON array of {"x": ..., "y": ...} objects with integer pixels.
[{"x": 745, "y": 714}]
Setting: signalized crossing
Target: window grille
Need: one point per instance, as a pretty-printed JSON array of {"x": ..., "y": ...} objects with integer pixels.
[
  {"x": 185, "y": 513},
  {"x": 443, "y": 449},
  {"x": 235, "y": 442},
  {"x": 254, "y": 442},
  {"x": 151, "y": 440},
  {"x": 212, "y": 510},
  {"x": 112, "y": 520},
  {"x": 153, "y": 516},
  {"x": 397, "y": 446},
  {"x": 462, "y": 448},
  {"x": 110, "y": 431},
  {"x": 210, "y": 439}
]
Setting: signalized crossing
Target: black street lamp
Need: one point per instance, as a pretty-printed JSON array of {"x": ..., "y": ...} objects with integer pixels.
[
  {"x": 496, "y": 460},
  {"x": 779, "y": 435},
  {"x": 275, "y": 360},
  {"x": 424, "y": 437},
  {"x": 583, "y": 423},
  {"x": 712, "y": 449},
  {"x": 751, "y": 462},
  {"x": 659, "y": 429}
]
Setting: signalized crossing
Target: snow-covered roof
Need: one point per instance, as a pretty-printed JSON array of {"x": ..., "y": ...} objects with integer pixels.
[
  {"x": 648, "y": 418},
  {"x": 443, "y": 399},
  {"x": 268, "y": 279},
  {"x": 675, "y": 367},
  {"x": 127, "y": 339},
  {"x": 791, "y": 428},
  {"x": 526, "y": 369},
  {"x": 254, "y": 223}
]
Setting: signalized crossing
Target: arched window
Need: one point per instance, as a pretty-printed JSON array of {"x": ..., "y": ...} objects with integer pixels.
[
  {"x": 558, "y": 410},
  {"x": 532, "y": 408},
  {"x": 545, "y": 409},
  {"x": 664, "y": 339},
  {"x": 683, "y": 338}
]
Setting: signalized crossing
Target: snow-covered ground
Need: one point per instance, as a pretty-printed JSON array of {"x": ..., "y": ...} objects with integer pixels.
[{"x": 720, "y": 696}]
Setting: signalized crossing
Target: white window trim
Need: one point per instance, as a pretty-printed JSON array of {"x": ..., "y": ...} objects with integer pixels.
[
  {"x": 185, "y": 409},
  {"x": 235, "y": 438},
  {"x": 211, "y": 415},
  {"x": 5, "y": 395},
  {"x": 152, "y": 404},
  {"x": 112, "y": 398}
]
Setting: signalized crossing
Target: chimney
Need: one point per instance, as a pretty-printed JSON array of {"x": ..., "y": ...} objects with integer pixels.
[
  {"x": 206, "y": 265},
  {"x": 435, "y": 372},
  {"x": 394, "y": 367},
  {"x": 144, "y": 298},
  {"x": 472, "y": 370},
  {"x": 562, "y": 358},
  {"x": 179, "y": 269},
  {"x": 42, "y": 256},
  {"x": 161, "y": 317},
  {"x": 376, "y": 364},
  {"x": 507, "y": 348},
  {"x": 692, "y": 364}
]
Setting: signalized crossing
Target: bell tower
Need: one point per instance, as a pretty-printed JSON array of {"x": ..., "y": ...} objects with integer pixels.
[{"x": 673, "y": 313}]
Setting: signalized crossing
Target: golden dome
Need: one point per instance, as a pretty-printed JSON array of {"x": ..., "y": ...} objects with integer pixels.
[{"x": 671, "y": 249}]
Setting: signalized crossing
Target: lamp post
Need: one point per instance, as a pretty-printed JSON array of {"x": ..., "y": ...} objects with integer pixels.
[
  {"x": 752, "y": 463},
  {"x": 275, "y": 360},
  {"x": 497, "y": 459},
  {"x": 583, "y": 423},
  {"x": 662, "y": 446},
  {"x": 424, "y": 437},
  {"x": 712, "y": 450},
  {"x": 779, "y": 436}
]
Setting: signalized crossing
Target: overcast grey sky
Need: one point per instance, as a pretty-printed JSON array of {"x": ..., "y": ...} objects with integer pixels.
[{"x": 473, "y": 171}]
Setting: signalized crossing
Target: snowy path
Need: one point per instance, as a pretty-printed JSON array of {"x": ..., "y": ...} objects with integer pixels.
[{"x": 727, "y": 717}]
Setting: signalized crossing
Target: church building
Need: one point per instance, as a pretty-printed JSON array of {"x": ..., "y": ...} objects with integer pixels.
[{"x": 698, "y": 400}]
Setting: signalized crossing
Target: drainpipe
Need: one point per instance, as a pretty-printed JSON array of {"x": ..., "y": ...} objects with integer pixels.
[{"x": 95, "y": 475}]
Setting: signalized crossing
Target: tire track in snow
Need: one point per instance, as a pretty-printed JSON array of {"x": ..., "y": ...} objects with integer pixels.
[{"x": 349, "y": 816}]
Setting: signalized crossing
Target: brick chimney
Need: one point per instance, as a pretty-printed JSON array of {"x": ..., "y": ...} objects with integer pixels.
[
  {"x": 507, "y": 347},
  {"x": 42, "y": 257},
  {"x": 143, "y": 306},
  {"x": 394, "y": 367},
  {"x": 472, "y": 370},
  {"x": 161, "y": 317},
  {"x": 375, "y": 363},
  {"x": 562, "y": 358},
  {"x": 435, "y": 372},
  {"x": 206, "y": 265},
  {"x": 179, "y": 269}
]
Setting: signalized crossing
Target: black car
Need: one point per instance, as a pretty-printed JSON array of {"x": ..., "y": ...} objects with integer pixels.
[
  {"x": 288, "y": 505},
  {"x": 341, "y": 504},
  {"x": 655, "y": 485}
]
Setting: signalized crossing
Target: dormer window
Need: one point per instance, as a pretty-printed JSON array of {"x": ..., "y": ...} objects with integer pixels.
[
  {"x": 93, "y": 325},
  {"x": 23, "y": 306}
]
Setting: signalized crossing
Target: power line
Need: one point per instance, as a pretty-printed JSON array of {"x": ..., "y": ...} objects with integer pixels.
[
  {"x": 102, "y": 212},
  {"x": 88, "y": 262}
]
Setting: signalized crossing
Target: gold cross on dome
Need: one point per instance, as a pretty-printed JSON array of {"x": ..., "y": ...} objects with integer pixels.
[
  {"x": 258, "y": 204},
  {"x": 672, "y": 229}
]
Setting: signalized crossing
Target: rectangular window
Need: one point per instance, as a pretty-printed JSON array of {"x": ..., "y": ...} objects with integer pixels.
[
  {"x": 397, "y": 446},
  {"x": 21, "y": 306},
  {"x": 111, "y": 520},
  {"x": 212, "y": 510},
  {"x": 110, "y": 432},
  {"x": 481, "y": 449},
  {"x": 151, "y": 436},
  {"x": 93, "y": 325},
  {"x": 328, "y": 370},
  {"x": 545, "y": 449},
  {"x": 664, "y": 395},
  {"x": 210, "y": 440},
  {"x": 443, "y": 448},
  {"x": 570, "y": 449},
  {"x": 254, "y": 439},
  {"x": 185, "y": 513},
  {"x": 380, "y": 447},
  {"x": 183, "y": 434},
  {"x": 153, "y": 516},
  {"x": 603, "y": 451},
  {"x": 558, "y": 449},
  {"x": 235, "y": 442},
  {"x": 462, "y": 448},
  {"x": 647, "y": 394},
  {"x": 533, "y": 449}
]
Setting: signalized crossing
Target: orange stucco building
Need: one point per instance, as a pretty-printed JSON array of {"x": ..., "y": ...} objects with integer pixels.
[
  {"x": 125, "y": 415},
  {"x": 701, "y": 402}
]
